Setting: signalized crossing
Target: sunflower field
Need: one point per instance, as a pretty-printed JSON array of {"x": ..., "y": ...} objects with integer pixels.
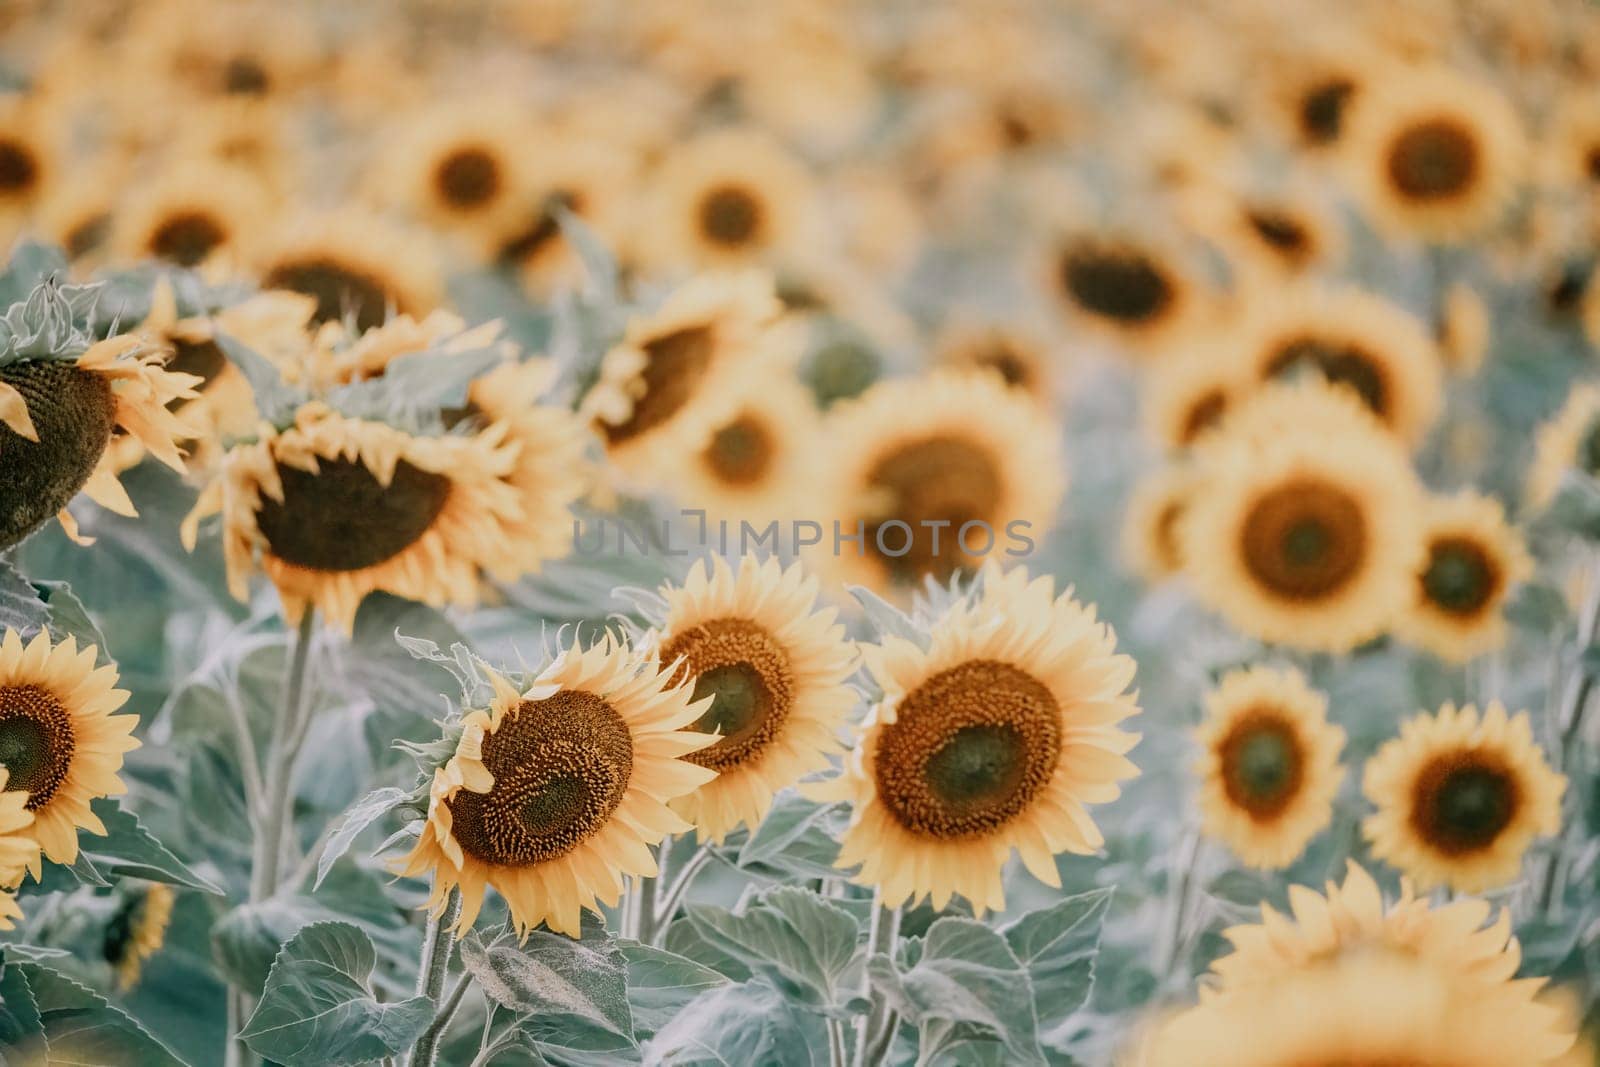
[{"x": 812, "y": 533}]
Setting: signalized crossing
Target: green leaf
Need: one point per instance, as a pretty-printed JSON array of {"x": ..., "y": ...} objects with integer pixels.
[
  {"x": 20, "y": 607},
  {"x": 574, "y": 992},
  {"x": 741, "y": 1026},
  {"x": 389, "y": 659},
  {"x": 247, "y": 939},
  {"x": 20, "y": 1022},
  {"x": 362, "y": 814},
  {"x": 966, "y": 976},
  {"x": 316, "y": 1007},
  {"x": 790, "y": 932},
  {"x": 1576, "y": 507},
  {"x": 82, "y": 1028},
  {"x": 886, "y": 619},
  {"x": 598, "y": 263},
  {"x": 791, "y": 816},
  {"x": 660, "y": 983},
  {"x": 1058, "y": 946},
  {"x": 418, "y": 385},
  {"x": 129, "y": 851},
  {"x": 275, "y": 398},
  {"x": 68, "y": 616}
]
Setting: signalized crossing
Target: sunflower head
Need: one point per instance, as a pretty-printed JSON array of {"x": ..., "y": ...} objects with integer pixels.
[
  {"x": 1460, "y": 796},
  {"x": 1120, "y": 284},
  {"x": 1474, "y": 559},
  {"x": 137, "y": 931}
]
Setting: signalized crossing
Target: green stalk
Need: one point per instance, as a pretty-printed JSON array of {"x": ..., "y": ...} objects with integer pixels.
[{"x": 438, "y": 945}]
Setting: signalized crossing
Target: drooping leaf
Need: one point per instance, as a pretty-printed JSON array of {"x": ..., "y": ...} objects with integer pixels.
[
  {"x": 317, "y": 1008},
  {"x": 82, "y": 1028},
  {"x": 660, "y": 983},
  {"x": 362, "y": 814},
  {"x": 128, "y": 850},
  {"x": 275, "y": 398},
  {"x": 21, "y": 609}
]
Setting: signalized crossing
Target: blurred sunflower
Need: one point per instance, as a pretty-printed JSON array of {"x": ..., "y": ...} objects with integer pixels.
[
  {"x": 1463, "y": 330},
  {"x": 1020, "y": 358},
  {"x": 556, "y": 793},
  {"x": 58, "y": 417},
  {"x": 354, "y": 265},
  {"x": 1570, "y": 151},
  {"x": 1188, "y": 394},
  {"x": 1271, "y": 231},
  {"x": 19, "y": 849},
  {"x": 912, "y": 463},
  {"x": 192, "y": 212},
  {"x": 1461, "y": 797},
  {"x": 1306, "y": 530},
  {"x": 761, "y": 464},
  {"x": 1474, "y": 560},
  {"x": 992, "y": 738},
  {"x": 1317, "y": 87},
  {"x": 29, "y": 155},
  {"x": 77, "y": 212},
  {"x": 1355, "y": 339},
  {"x": 1130, "y": 291},
  {"x": 1269, "y": 767},
  {"x": 137, "y": 931},
  {"x": 1154, "y": 516},
  {"x": 728, "y": 198},
  {"x": 459, "y": 164},
  {"x": 1569, "y": 441},
  {"x": 1436, "y": 153},
  {"x": 333, "y": 508},
  {"x": 775, "y": 667},
  {"x": 681, "y": 369},
  {"x": 61, "y": 742}
]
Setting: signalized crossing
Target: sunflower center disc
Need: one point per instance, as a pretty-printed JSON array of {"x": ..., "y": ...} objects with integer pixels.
[
  {"x": 747, "y": 675},
  {"x": 88, "y": 235},
  {"x": 1262, "y": 765},
  {"x": 1304, "y": 540},
  {"x": 674, "y": 365},
  {"x": 1203, "y": 414},
  {"x": 1280, "y": 231},
  {"x": 968, "y": 751},
  {"x": 730, "y": 216},
  {"x": 18, "y": 168},
  {"x": 1460, "y": 577},
  {"x": 940, "y": 479},
  {"x": 1012, "y": 368},
  {"x": 335, "y": 287},
  {"x": 1462, "y": 803},
  {"x": 203, "y": 359},
  {"x": 542, "y": 230},
  {"x": 561, "y": 767},
  {"x": 1322, "y": 110},
  {"x": 36, "y": 742},
  {"x": 468, "y": 178},
  {"x": 741, "y": 451},
  {"x": 1338, "y": 363},
  {"x": 343, "y": 519},
  {"x": 245, "y": 76},
  {"x": 1433, "y": 160},
  {"x": 1117, "y": 284},
  {"x": 73, "y": 412},
  {"x": 186, "y": 238}
]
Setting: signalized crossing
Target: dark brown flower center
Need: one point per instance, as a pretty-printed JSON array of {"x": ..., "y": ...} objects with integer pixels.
[
  {"x": 337, "y": 288},
  {"x": 1263, "y": 764},
  {"x": 942, "y": 479},
  {"x": 675, "y": 365},
  {"x": 741, "y": 452},
  {"x": 36, "y": 742},
  {"x": 88, "y": 235},
  {"x": 1286, "y": 234},
  {"x": 1121, "y": 284},
  {"x": 968, "y": 751},
  {"x": 1339, "y": 362},
  {"x": 1435, "y": 159},
  {"x": 343, "y": 519},
  {"x": 1462, "y": 801},
  {"x": 561, "y": 767},
  {"x": 245, "y": 76},
  {"x": 1168, "y": 547},
  {"x": 542, "y": 231},
  {"x": 186, "y": 238},
  {"x": 19, "y": 168},
  {"x": 1322, "y": 110},
  {"x": 1304, "y": 540},
  {"x": 468, "y": 178},
  {"x": 73, "y": 413},
  {"x": 1204, "y": 412},
  {"x": 204, "y": 359},
  {"x": 1591, "y": 163},
  {"x": 746, "y": 672},
  {"x": 1461, "y": 577},
  {"x": 730, "y": 216}
]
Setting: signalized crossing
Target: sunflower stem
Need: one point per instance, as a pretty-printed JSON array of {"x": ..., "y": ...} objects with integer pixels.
[
  {"x": 438, "y": 945},
  {"x": 1569, "y": 722},
  {"x": 279, "y": 793},
  {"x": 1181, "y": 890},
  {"x": 882, "y": 934},
  {"x": 680, "y": 886},
  {"x": 645, "y": 906}
]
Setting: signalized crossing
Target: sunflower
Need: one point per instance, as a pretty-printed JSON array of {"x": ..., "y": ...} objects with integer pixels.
[
  {"x": 1317, "y": 88},
  {"x": 992, "y": 738},
  {"x": 58, "y": 417},
  {"x": 1189, "y": 394},
  {"x": 1128, "y": 289},
  {"x": 1154, "y": 516},
  {"x": 728, "y": 198},
  {"x": 1306, "y": 530},
  {"x": 137, "y": 931},
  {"x": 1268, "y": 232},
  {"x": 60, "y": 741},
  {"x": 1269, "y": 767},
  {"x": 1355, "y": 339},
  {"x": 775, "y": 666},
  {"x": 679, "y": 371},
  {"x": 77, "y": 213},
  {"x": 1436, "y": 153},
  {"x": 355, "y": 265},
  {"x": 556, "y": 793},
  {"x": 1474, "y": 559},
  {"x": 19, "y": 849},
  {"x": 1461, "y": 797},
  {"x": 28, "y": 154},
  {"x": 761, "y": 463},
  {"x": 1463, "y": 330},
  {"x": 333, "y": 508},
  {"x": 1570, "y": 440},
  {"x": 460, "y": 164},
  {"x": 1021, "y": 359},
  {"x": 192, "y": 212},
  {"x": 931, "y": 474},
  {"x": 1571, "y": 152}
]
